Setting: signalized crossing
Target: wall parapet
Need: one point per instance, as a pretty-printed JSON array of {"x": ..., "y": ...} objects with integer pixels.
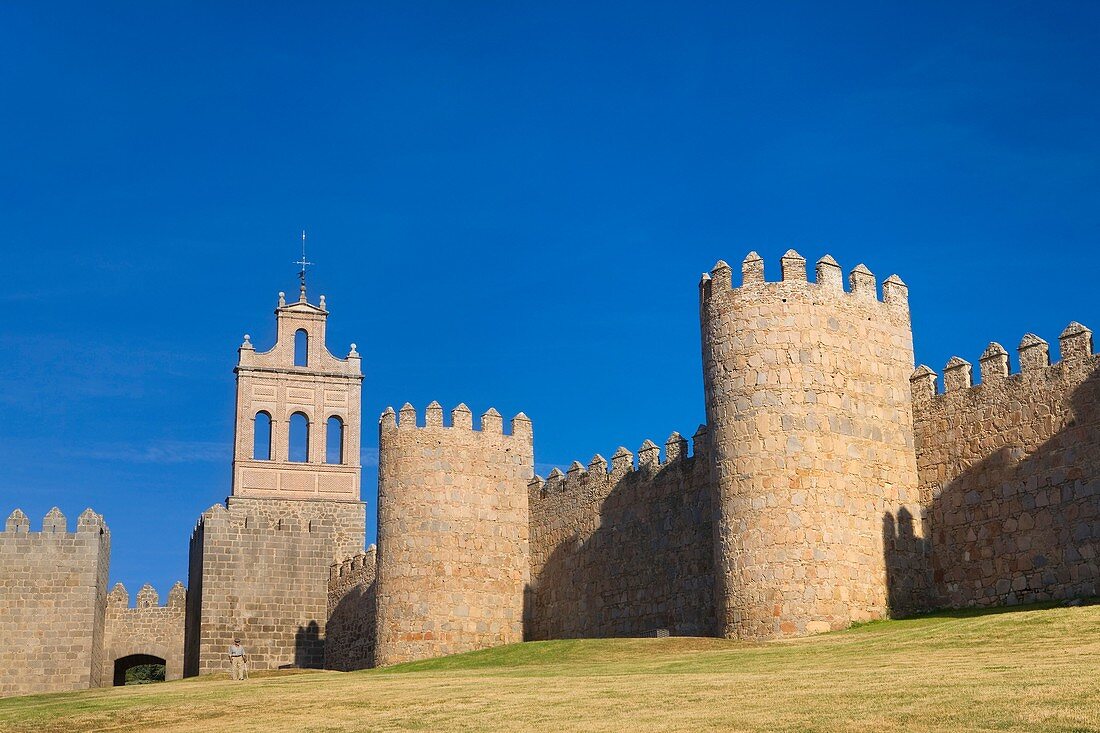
[
  {"x": 147, "y": 598},
  {"x": 461, "y": 419},
  {"x": 1033, "y": 354},
  {"x": 55, "y": 523},
  {"x": 828, "y": 278},
  {"x": 353, "y": 564},
  {"x": 622, "y": 463}
]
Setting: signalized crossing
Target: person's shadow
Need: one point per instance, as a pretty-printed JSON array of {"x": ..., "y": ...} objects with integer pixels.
[{"x": 309, "y": 648}]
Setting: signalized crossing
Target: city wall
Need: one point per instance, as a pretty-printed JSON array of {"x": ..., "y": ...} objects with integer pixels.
[
  {"x": 350, "y": 633},
  {"x": 625, "y": 552},
  {"x": 453, "y": 558},
  {"x": 53, "y": 591},
  {"x": 262, "y": 572},
  {"x": 1010, "y": 474},
  {"x": 146, "y": 630}
]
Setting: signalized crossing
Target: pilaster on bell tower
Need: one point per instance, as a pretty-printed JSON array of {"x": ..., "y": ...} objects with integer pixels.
[{"x": 298, "y": 412}]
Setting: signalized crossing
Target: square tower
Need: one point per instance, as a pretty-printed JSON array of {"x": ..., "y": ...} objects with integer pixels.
[{"x": 259, "y": 564}]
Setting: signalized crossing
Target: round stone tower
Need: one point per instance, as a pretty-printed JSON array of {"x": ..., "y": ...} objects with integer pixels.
[
  {"x": 810, "y": 421},
  {"x": 453, "y": 558}
]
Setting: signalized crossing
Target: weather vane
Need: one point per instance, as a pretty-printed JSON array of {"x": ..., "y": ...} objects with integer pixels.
[{"x": 303, "y": 262}]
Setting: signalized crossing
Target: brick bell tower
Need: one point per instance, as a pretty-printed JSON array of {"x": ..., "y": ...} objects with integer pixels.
[
  {"x": 298, "y": 412},
  {"x": 259, "y": 563}
]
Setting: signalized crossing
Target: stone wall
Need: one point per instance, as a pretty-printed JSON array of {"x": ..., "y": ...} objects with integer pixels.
[
  {"x": 1010, "y": 474},
  {"x": 350, "y": 633},
  {"x": 260, "y": 570},
  {"x": 626, "y": 552},
  {"x": 809, "y": 413},
  {"x": 453, "y": 556},
  {"x": 53, "y": 590},
  {"x": 146, "y": 629}
]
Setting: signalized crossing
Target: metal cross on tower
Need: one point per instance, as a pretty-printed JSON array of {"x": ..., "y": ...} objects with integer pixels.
[{"x": 303, "y": 263}]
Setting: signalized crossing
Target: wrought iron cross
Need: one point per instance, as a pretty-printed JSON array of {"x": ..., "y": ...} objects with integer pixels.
[{"x": 303, "y": 262}]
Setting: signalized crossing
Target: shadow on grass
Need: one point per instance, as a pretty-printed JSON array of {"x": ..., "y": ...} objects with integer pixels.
[
  {"x": 566, "y": 652},
  {"x": 975, "y": 612}
]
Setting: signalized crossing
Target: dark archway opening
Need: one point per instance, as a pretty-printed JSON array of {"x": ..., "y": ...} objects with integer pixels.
[{"x": 139, "y": 669}]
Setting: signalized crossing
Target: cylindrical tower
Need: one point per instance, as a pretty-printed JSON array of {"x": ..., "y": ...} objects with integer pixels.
[
  {"x": 453, "y": 558},
  {"x": 810, "y": 421}
]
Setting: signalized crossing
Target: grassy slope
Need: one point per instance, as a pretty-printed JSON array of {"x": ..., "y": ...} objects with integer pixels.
[{"x": 1034, "y": 670}]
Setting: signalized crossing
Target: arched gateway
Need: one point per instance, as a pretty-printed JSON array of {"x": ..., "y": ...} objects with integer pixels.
[{"x": 146, "y": 634}]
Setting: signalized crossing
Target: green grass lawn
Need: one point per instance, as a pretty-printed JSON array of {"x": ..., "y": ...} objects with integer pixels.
[{"x": 1035, "y": 669}]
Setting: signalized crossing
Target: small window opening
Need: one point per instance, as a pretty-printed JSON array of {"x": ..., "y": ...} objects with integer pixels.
[
  {"x": 301, "y": 348},
  {"x": 261, "y": 437},
  {"x": 299, "y": 438},
  {"x": 334, "y": 440}
]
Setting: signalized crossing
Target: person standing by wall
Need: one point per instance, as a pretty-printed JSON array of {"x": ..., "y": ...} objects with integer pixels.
[{"x": 237, "y": 660}]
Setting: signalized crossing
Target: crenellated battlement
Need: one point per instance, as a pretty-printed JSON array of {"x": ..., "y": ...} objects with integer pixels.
[
  {"x": 353, "y": 564},
  {"x": 1033, "y": 357},
  {"x": 147, "y": 598},
  {"x": 55, "y": 523},
  {"x": 1008, "y": 472},
  {"x": 461, "y": 419},
  {"x": 649, "y": 460},
  {"x": 828, "y": 280}
]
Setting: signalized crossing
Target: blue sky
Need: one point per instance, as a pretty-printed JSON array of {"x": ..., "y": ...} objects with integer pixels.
[{"x": 509, "y": 205}]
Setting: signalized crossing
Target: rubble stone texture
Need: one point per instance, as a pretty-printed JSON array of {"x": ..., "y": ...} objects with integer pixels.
[
  {"x": 1010, "y": 475},
  {"x": 350, "y": 632},
  {"x": 627, "y": 552},
  {"x": 807, "y": 398}
]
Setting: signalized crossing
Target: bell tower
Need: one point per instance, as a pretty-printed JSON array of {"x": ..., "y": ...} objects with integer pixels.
[
  {"x": 298, "y": 412},
  {"x": 259, "y": 564}
]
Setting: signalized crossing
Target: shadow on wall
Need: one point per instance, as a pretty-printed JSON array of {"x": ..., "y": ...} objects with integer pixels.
[
  {"x": 1016, "y": 526},
  {"x": 350, "y": 633},
  {"x": 632, "y": 553},
  {"x": 309, "y": 647}
]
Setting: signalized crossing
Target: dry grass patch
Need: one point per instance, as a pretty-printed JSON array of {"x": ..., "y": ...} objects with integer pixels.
[{"x": 1033, "y": 670}]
